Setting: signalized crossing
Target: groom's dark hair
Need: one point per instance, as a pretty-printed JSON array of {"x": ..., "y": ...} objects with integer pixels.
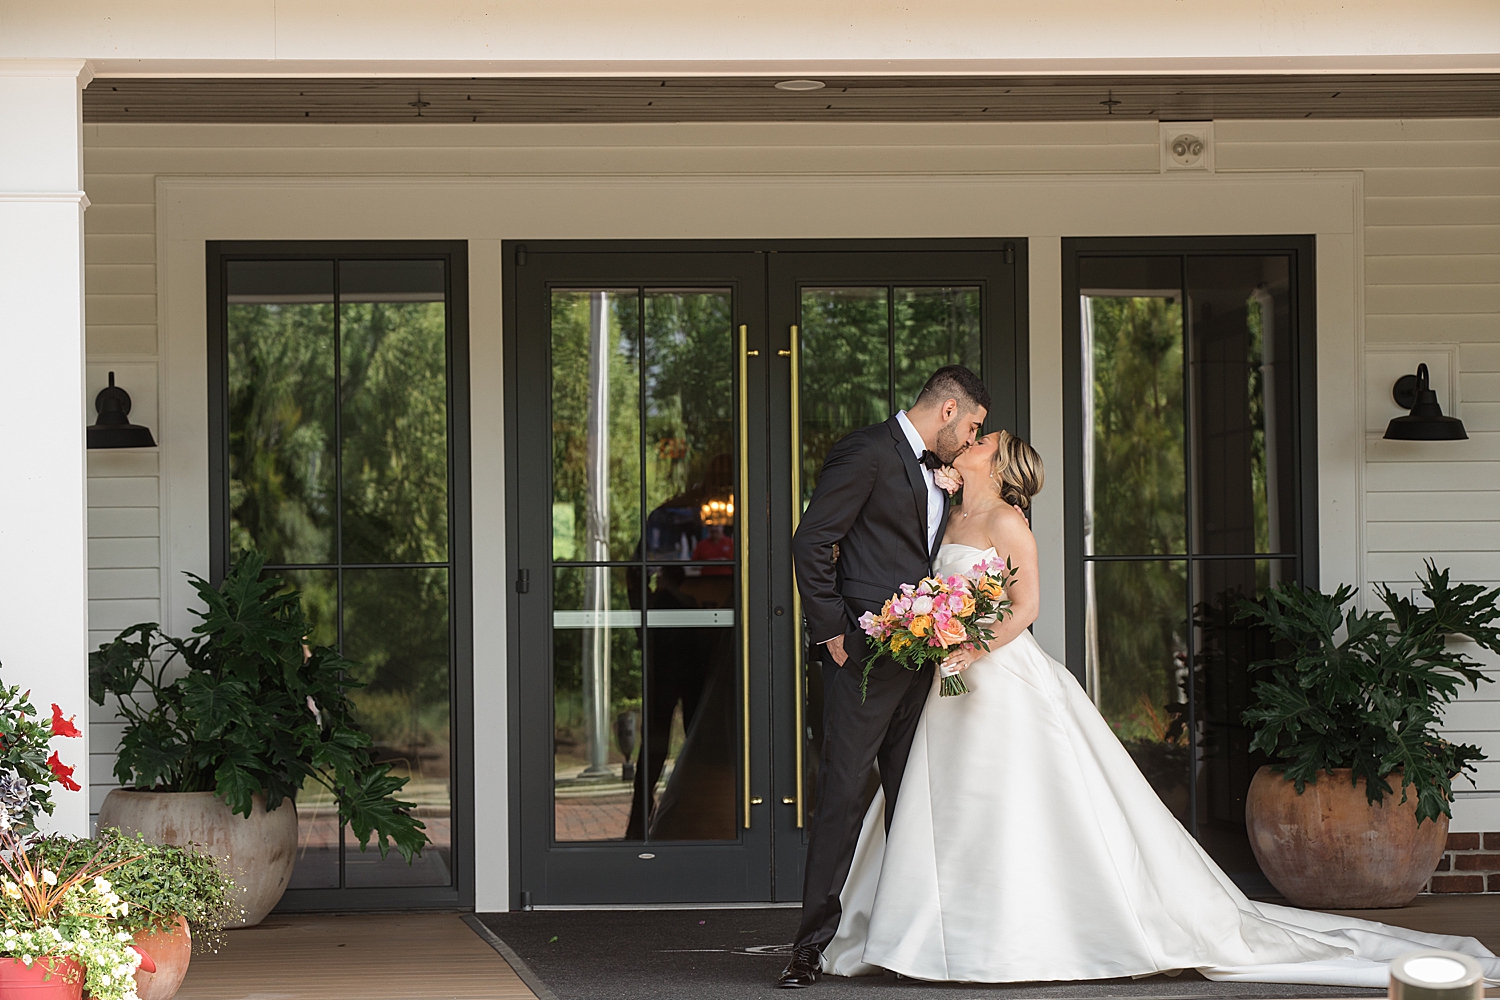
[{"x": 954, "y": 382}]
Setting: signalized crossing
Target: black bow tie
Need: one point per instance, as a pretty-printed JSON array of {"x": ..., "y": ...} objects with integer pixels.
[{"x": 930, "y": 460}]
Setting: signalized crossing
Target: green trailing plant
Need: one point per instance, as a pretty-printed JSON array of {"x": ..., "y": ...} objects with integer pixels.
[
  {"x": 160, "y": 882},
  {"x": 1362, "y": 689},
  {"x": 247, "y": 706}
]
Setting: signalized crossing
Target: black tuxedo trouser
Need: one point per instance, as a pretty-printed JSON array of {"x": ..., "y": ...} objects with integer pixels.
[{"x": 855, "y": 735}]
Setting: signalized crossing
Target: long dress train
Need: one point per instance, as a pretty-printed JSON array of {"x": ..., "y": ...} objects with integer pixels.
[{"x": 1027, "y": 846}]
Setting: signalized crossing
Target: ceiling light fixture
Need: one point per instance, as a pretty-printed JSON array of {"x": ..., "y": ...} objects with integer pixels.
[{"x": 801, "y": 85}]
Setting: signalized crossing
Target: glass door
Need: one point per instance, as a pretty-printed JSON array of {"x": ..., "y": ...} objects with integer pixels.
[
  {"x": 640, "y": 406},
  {"x": 669, "y": 415},
  {"x": 863, "y": 330}
]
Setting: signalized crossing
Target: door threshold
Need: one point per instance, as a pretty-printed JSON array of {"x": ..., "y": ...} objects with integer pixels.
[{"x": 666, "y": 906}]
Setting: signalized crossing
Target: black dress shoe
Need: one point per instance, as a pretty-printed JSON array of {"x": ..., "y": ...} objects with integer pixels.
[{"x": 805, "y": 968}]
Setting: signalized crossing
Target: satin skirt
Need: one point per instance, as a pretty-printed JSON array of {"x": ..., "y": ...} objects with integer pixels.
[{"x": 1027, "y": 846}]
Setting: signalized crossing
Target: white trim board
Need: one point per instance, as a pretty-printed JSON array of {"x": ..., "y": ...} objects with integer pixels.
[{"x": 487, "y": 209}]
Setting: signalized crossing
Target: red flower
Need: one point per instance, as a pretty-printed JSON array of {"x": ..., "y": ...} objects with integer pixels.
[
  {"x": 63, "y": 773},
  {"x": 61, "y": 726}
]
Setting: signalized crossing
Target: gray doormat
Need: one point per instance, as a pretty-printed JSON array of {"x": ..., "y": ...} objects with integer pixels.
[{"x": 737, "y": 954}]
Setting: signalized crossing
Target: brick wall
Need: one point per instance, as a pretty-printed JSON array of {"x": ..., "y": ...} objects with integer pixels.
[{"x": 1471, "y": 863}]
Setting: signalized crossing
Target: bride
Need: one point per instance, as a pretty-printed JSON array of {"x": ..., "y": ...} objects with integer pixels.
[{"x": 1027, "y": 846}]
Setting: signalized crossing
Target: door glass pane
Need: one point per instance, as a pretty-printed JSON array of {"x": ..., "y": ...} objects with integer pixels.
[
  {"x": 933, "y": 327},
  {"x": 1135, "y": 635},
  {"x": 846, "y": 369},
  {"x": 1242, "y": 371},
  {"x": 596, "y": 677},
  {"x": 596, "y": 426},
  {"x": 690, "y": 442},
  {"x": 395, "y": 410},
  {"x": 281, "y": 409},
  {"x": 1134, "y": 486},
  {"x": 1223, "y": 651},
  {"x": 396, "y": 632}
]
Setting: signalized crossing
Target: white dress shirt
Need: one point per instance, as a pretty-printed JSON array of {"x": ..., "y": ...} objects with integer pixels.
[{"x": 934, "y": 492}]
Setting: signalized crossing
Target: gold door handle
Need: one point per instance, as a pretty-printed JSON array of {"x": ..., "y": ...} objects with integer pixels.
[
  {"x": 742, "y": 549},
  {"x": 793, "y": 352}
]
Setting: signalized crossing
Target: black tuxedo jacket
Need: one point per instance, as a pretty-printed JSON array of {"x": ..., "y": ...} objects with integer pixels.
[{"x": 871, "y": 501}]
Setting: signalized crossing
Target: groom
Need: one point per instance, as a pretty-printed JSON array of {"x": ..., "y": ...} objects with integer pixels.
[{"x": 877, "y": 501}]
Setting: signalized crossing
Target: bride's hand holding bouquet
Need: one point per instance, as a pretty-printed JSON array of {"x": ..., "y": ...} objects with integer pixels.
[{"x": 938, "y": 617}]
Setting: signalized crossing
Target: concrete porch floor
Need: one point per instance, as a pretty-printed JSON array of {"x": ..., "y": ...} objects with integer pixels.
[{"x": 425, "y": 956}]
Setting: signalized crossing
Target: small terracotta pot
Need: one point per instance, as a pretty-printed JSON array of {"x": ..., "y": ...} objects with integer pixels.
[
  {"x": 1330, "y": 849},
  {"x": 170, "y": 949},
  {"x": 48, "y": 979}
]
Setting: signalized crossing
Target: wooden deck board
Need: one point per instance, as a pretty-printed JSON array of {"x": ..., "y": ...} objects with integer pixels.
[
  {"x": 416, "y": 956},
  {"x": 1475, "y": 916}
]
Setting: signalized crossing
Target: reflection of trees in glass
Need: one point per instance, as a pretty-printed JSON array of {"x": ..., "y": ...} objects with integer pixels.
[
  {"x": 1138, "y": 505},
  {"x": 1138, "y": 427},
  {"x": 934, "y": 327},
  {"x": 570, "y": 413},
  {"x": 845, "y": 369},
  {"x": 1142, "y": 641},
  {"x": 395, "y": 429},
  {"x": 281, "y": 466},
  {"x": 396, "y": 632},
  {"x": 689, "y": 413},
  {"x": 1255, "y": 329}
]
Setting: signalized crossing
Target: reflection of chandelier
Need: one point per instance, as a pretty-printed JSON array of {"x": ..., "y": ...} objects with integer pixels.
[{"x": 720, "y": 512}]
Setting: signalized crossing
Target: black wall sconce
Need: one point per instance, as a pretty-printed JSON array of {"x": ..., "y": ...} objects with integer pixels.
[
  {"x": 113, "y": 428},
  {"x": 1425, "y": 422}
]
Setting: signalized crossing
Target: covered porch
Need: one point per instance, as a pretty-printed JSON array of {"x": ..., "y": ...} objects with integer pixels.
[{"x": 641, "y": 955}]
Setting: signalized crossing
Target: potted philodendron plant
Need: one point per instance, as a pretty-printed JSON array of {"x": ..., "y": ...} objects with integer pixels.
[
  {"x": 177, "y": 899},
  {"x": 1353, "y": 811},
  {"x": 223, "y": 729}
]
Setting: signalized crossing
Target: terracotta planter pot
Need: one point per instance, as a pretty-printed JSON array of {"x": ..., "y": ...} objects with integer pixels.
[
  {"x": 170, "y": 949},
  {"x": 1328, "y": 848},
  {"x": 261, "y": 850},
  {"x": 47, "y": 979}
]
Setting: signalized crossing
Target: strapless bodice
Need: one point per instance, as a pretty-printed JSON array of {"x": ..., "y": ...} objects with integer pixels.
[{"x": 954, "y": 557}]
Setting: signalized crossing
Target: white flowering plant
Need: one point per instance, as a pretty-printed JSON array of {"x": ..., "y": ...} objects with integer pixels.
[{"x": 70, "y": 917}]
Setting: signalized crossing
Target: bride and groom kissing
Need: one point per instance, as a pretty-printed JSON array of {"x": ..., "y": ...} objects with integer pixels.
[{"x": 1011, "y": 837}]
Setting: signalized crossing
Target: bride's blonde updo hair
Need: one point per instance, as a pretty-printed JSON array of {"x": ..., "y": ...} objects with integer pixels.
[{"x": 1016, "y": 470}]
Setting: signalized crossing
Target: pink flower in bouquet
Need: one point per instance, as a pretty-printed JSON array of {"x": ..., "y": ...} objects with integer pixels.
[{"x": 951, "y": 632}]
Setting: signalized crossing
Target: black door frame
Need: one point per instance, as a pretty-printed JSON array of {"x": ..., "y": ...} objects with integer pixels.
[
  {"x": 455, "y": 254},
  {"x": 998, "y": 264}
]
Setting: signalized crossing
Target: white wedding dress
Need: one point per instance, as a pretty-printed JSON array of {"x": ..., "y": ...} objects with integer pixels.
[{"x": 1027, "y": 846}]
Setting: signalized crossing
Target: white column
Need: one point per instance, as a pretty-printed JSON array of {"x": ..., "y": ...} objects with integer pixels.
[{"x": 43, "y": 501}]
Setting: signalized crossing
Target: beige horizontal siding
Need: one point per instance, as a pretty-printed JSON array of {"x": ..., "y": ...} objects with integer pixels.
[{"x": 1431, "y": 266}]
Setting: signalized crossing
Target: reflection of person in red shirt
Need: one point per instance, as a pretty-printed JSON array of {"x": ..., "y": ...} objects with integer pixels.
[{"x": 718, "y": 547}]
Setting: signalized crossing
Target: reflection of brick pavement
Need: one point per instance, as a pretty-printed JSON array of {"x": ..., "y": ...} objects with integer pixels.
[{"x": 593, "y": 817}]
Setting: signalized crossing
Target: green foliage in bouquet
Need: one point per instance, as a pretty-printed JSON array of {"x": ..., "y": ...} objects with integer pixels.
[
  {"x": 1362, "y": 690},
  {"x": 160, "y": 882},
  {"x": 252, "y": 708}
]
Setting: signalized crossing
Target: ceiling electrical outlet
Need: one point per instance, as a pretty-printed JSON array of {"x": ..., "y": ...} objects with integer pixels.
[{"x": 1187, "y": 146}]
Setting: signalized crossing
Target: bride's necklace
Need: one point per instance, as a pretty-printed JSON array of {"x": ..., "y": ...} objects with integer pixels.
[{"x": 981, "y": 509}]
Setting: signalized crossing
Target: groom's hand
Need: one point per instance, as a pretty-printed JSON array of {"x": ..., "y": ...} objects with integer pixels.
[{"x": 836, "y": 648}]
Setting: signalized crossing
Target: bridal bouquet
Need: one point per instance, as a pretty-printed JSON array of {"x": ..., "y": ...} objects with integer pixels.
[{"x": 924, "y": 621}]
